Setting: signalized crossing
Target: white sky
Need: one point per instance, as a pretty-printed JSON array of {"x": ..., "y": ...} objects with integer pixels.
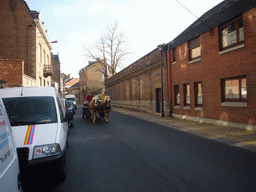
[{"x": 147, "y": 23}]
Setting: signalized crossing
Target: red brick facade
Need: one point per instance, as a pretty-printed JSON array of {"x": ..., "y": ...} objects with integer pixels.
[
  {"x": 23, "y": 37},
  {"x": 213, "y": 67},
  {"x": 18, "y": 34},
  {"x": 12, "y": 72}
]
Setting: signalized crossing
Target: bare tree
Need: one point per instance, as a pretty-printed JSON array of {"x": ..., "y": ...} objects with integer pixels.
[{"x": 109, "y": 51}]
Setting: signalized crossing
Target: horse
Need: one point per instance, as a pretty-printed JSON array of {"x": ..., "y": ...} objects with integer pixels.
[
  {"x": 106, "y": 108},
  {"x": 93, "y": 109}
]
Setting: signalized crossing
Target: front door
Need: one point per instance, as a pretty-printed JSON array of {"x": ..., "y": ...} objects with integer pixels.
[{"x": 158, "y": 100}]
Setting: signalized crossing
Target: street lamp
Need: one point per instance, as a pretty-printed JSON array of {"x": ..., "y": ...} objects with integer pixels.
[{"x": 161, "y": 49}]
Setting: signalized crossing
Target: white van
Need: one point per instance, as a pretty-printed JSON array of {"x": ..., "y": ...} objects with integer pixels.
[
  {"x": 40, "y": 125},
  {"x": 9, "y": 165},
  {"x": 71, "y": 98}
]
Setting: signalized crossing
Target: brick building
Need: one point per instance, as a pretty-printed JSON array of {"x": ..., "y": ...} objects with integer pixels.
[
  {"x": 139, "y": 85},
  {"x": 91, "y": 79},
  {"x": 211, "y": 69},
  {"x": 23, "y": 37},
  {"x": 55, "y": 61},
  {"x": 74, "y": 90}
]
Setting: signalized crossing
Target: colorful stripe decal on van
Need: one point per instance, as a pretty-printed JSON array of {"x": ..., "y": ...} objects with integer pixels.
[{"x": 30, "y": 134}]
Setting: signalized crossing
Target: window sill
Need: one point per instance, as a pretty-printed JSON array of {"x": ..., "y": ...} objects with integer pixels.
[
  {"x": 231, "y": 49},
  {"x": 187, "y": 107},
  {"x": 194, "y": 60},
  {"x": 198, "y": 108},
  {"x": 234, "y": 104},
  {"x": 176, "y": 107}
]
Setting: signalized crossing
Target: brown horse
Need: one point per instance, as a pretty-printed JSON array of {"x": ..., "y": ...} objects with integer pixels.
[
  {"x": 106, "y": 108},
  {"x": 93, "y": 109}
]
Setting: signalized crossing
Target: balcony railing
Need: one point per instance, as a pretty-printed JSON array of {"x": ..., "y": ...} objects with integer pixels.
[{"x": 48, "y": 70}]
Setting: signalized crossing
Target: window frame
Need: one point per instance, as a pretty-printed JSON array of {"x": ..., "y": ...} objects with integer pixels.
[
  {"x": 43, "y": 62},
  {"x": 174, "y": 55},
  {"x": 193, "y": 47},
  {"x": 40, "y": 81},
  {"x": 40, "y": 54},
  {"x": 185, "y": 91},
  {"x": 240, "y": 99},
  {"x": 176, "y": 92},
  {"x": 225, "y": 25},
  {"x": 196, "y": 94}
]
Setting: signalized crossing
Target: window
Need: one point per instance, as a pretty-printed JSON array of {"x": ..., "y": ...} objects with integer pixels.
[
  {"x": 30, "y": 110},
  {"x": 61, "y": 109},
  {"x": 39, "y": 54},
  {"x": 40, "y": 81},
  {"x": 43, "y": 57},
  {"x": 176, "y": 95},
  {"x": 234, "y": 89},
  {"x": 186, "y": 94},
  {"x": 199, "y": 94},
  {"x": 174, "y": 55},
  {"x": 47, "y": 60},
  {"x": 194, "y": 49},
  {"x": 232, "y": 33}
]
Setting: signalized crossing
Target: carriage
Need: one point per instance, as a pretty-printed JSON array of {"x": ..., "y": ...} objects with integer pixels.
[{"x": 96, "y": 110}]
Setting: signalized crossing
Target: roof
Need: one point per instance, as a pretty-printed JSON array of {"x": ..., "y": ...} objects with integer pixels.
[
  {"x": 75, "y": 85},
  {"x": 27, "y": 91},
  {"x": 72, "y": 82},
  {"x": 84, "y": 69},
  {"x": 216, "y": 16},
  {"x": 56, "y": 57}
]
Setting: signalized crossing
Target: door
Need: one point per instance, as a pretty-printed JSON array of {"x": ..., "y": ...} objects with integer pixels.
[{"x": 158, "y": 100}]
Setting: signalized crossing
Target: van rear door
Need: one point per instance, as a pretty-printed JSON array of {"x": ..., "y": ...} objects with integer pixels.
[{"x": 9, "y": 167}]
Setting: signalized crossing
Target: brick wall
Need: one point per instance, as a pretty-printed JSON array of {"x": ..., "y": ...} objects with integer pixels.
[
  {"x": 17, "y": 34},
  {"x": 135, "y": 86},
  {"x": 12, "y": 72},
  {"x": 56, "y": 69}
]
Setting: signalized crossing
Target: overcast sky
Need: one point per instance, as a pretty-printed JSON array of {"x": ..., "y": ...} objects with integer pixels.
[{"x": 146, "y": 23}]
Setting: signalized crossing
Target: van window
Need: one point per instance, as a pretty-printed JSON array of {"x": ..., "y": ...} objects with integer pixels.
[
  {"x": 30, "y": 110},
  {"x": 71, "y": 99},
  {"x": 61, "y": 109}
]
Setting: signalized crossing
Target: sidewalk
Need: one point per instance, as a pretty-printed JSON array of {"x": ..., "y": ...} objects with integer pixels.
[{"x": 230, "y": 135}]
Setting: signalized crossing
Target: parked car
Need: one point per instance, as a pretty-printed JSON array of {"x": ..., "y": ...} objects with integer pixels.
[
  {"x": 71, "y": 98},
  {"x": 40, "y": 127},
  {"x": 67, "y": 106},
  {"x": 71, "y": 106},
  {"x": 9, "y": 165}
]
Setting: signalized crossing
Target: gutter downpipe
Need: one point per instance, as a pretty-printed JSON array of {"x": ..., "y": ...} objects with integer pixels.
[{"x": 169, "y": 67}]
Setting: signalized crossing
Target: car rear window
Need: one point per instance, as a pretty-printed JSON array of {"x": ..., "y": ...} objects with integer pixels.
[
  {"x": 71, "y": 99},
  {"x": 30, "y": 110}
]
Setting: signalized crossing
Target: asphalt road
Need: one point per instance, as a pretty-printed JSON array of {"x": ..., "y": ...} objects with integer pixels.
[{"x": 129, "y": 154}]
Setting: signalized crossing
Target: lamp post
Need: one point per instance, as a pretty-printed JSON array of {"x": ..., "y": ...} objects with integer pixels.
[{"x": 161, "y": 49}]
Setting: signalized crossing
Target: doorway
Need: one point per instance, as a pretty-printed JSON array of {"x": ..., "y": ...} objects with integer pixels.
[{"x": 158, "y": 100}]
